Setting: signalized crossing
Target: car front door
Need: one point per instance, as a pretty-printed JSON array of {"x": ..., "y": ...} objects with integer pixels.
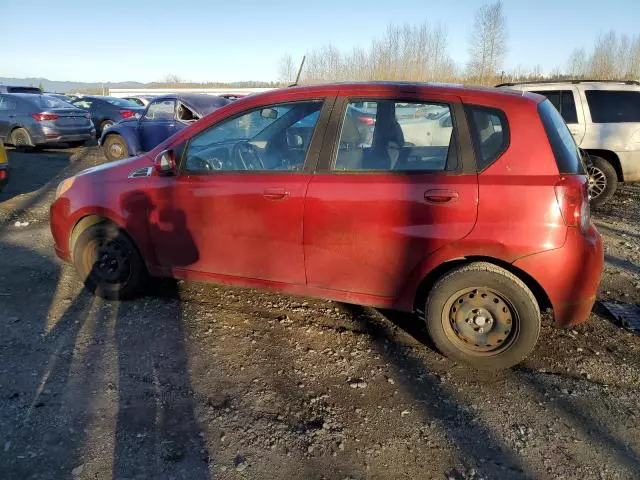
[
  {"x": 384, "y": 200},
  {"x": 239, "y": 199},
  {"x": 7, "y": 112},
  {"x": 157, "y": 124}
]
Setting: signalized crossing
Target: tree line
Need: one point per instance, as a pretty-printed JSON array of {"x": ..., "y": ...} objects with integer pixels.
[{"x": 420, "y": 53}]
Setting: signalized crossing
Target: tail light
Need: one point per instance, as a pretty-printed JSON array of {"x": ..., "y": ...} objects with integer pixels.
[
  {"x": 127, "y": 113},
  {"x": 573, "y": 199},
  {"x": 366, "y": 120},
  {"x": 41, "y": 117}
]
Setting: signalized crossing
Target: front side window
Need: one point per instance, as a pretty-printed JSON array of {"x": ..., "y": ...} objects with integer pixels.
[
  {"x": 490, "y": 134},
  {"x": 563, "y": 101},
  {"x": 83, "y": 103},
  {"x": 162, "y": 110},
  {"x": 274, "y": 138},
  {"x": 613, "y": 106},
  {"x": 403, "y": 136}
]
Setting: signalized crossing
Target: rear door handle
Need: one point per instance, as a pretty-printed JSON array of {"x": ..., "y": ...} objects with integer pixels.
[
  {"x": 440, "y": 197},
  {"x": 275, "y": 193}
]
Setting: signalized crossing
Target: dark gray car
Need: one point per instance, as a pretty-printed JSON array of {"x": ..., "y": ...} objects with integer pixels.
[{"x": 29, "y": 120}]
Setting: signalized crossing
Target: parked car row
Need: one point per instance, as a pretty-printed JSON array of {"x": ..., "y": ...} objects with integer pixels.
[{"x": 476, "y": 231}]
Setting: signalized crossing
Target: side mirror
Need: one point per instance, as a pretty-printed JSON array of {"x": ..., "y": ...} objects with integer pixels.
[
  {"x": 165, "y": 163},
  {"x": 270, "y": 113}
]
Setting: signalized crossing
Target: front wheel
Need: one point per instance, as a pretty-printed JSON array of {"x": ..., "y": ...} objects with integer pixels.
[
  {"x": 484, "y": 316},
  {"x": 603, "y": 181},
  {"x": 115, "y": 148},
  {"x": 108, "y": 262}
]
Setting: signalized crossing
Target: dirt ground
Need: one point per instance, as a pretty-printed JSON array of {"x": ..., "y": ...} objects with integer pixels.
[{"x": 197, "y": 381}]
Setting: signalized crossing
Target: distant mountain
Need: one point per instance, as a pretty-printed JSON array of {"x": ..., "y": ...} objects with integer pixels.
[{"x": 66, "y": 87}]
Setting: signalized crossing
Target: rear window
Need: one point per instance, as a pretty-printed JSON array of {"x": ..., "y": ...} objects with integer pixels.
[
  {"x": 562, "y": 143},
  {"x": 490, "y": 133},
  {"x": 45, "y": 101},
  {"x": 121, "y": 102},
  {"x": 24, "y": 90},
  {"x": 611, "y": 106}
]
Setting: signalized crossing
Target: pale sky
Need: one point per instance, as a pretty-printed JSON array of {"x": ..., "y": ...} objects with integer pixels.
[{"x": 225, "y": 41}]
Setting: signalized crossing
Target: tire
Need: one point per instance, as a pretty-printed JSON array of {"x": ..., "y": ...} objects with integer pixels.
[
  {"x": 21, "y": 139},
  {"x": 104, "y": 125},
  {"x": 483, "y": 292},
  {"x": 115, "y": 148},
  {"x": 603, "y": 181},
  {"x": 121, "y": 274}
]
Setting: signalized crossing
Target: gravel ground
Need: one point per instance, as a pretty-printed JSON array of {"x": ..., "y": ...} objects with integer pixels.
[{"x": 198, "y": 381}]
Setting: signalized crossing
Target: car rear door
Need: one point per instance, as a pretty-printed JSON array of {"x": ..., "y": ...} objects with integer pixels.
[
  {"x": 238, "y": 204},
  {"x": 388, "y": 195},
  {"x": 158, "y": 123}
]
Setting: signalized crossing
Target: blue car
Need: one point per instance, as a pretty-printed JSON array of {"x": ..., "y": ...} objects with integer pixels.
[{"x": 163, "y": 117}]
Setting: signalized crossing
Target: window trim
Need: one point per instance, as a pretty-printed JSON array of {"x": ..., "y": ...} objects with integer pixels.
[
  {"x": 330, "y": 151},
  {"x": 311, "y": 157},
  {"x": 474, "y": 134}
]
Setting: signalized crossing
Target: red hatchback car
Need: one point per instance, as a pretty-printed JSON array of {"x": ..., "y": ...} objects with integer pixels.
[{"x": 468, "y": 206}]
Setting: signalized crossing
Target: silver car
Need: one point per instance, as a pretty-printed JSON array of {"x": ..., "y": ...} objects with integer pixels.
[{"x": 604, "y": 119}]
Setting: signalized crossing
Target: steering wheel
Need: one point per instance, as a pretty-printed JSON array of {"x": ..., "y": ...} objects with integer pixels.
[{"x": 247, "y": 155}]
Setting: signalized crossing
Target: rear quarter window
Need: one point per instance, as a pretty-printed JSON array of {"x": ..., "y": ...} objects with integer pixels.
[
  {"x": 490, "y": 133},
  {"x": 613, "y": 106},
  {"x": 562, "y": 143}
]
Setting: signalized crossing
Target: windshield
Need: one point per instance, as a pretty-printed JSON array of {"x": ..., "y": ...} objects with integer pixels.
[
  {"x": 121, "y": 102},
  {"x": 244, "y": 127}
]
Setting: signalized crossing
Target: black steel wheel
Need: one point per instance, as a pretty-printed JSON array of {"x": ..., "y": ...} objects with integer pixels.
[{"x": 483, "y": 315}]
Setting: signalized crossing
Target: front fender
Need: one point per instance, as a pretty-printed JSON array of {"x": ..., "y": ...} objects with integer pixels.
[{"x": 129, "y": 134}]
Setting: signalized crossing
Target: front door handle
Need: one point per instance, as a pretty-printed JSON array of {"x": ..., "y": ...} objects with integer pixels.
[
  {"x": 440, "y": 197},
  {"x": 275, "y": 193}
]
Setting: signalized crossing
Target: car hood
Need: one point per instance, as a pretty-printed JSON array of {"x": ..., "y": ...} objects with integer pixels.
[{"x": 127, "y": 163}]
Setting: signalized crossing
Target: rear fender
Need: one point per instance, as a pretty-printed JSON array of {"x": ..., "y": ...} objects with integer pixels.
[{"x": 129, "y": 134}]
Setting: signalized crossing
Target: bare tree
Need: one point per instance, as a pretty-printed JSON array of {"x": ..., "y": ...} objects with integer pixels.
[
  {"x": 603, "y": 60},
  {"x": 578, "y": 63},
  {"x": 487, "y": 43},
  {"x": 286, "y": 69},
  {"x": 173, "y": 79}
]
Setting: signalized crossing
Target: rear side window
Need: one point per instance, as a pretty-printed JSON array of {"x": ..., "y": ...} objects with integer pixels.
[
  {"x": 610, "y": 106},
  {"x": 563, "y": 101},
  {"x": 490, "y": 133},
  {"x": 384, "y": 135},
  {"x": 562, "y": 142}
]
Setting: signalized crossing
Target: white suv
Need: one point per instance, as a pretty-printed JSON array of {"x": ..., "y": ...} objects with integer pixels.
[{"x": 604, "y": 119}]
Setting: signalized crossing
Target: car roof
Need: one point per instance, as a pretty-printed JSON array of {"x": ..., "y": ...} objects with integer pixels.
[
  {"x": 468, "y": 93},
  {"x": 582, "y": 84},
  {"x": 201, "y": 102}
]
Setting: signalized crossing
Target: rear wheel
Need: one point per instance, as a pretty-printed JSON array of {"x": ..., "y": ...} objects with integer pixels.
[
  {"x": 108, "y": 262},
  {"x": 21, "y": 139},
  {"x": 483, "y": 315},
  {"x": 603, "y": 181},
  {"x": 115, "y": 148}
]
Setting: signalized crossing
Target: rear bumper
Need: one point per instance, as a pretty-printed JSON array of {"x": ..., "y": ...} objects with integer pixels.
[
  {"x": 569, "y": 275},
  {"x": 630, "y": 164},
  {"x": 55, "y": 136}
]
